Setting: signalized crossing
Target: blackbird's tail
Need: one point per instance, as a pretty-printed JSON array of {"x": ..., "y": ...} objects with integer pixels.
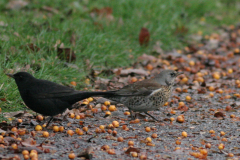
[
  {"x": 83, "y": 95},
  {"x": 99, "y": 94}
]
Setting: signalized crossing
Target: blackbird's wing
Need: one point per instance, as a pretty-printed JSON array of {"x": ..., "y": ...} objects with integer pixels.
[
  {"x": 47, "y": 89},
  {"x": 142, "y": 88}
]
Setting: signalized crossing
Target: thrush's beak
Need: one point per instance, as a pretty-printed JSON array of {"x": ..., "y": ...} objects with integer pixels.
[
  {"x": 10, "y": 75},
  {"x": 178, "y": 73}
]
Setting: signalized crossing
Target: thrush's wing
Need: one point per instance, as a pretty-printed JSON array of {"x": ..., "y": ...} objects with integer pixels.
[{"x": 142, "y": 88}]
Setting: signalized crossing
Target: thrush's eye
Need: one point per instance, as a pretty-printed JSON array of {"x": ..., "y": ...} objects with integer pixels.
[{"x": 172, "y": 74}]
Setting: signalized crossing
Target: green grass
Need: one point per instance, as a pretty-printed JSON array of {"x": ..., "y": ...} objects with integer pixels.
[{"x": 110, "y": 44}]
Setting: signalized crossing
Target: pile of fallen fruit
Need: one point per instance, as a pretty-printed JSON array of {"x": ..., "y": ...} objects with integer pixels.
[{"x": 201, "y": 119}]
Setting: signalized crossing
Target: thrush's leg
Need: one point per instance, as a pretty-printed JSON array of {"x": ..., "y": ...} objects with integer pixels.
[
  {"x": 131, "y": 113},
  {"x": 152, "y": 117}
]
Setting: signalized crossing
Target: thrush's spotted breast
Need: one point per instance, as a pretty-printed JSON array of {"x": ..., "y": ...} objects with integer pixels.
[{"x": 147, "y": 95}]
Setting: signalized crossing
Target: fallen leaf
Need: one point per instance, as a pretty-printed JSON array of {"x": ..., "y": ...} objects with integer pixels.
[
  {"x": 50, "y": 9},
  {"x": 29, "y": 142},
  {"x": 202, "y": 90},
  {"x": 3, "y": 24},
  {"x": 144, "y": 37},
  {"x": 118, "y": 71},
  {"x": 3, "y": 99},
  {"x": 183, "y": 108},
  {"x": 219, "y": 115},
  {"x": 17, "y": 114},
  {"x": 73, "y": 39},
  {"x": 125, "y": 72},
  {"x": 30, "y": 47},
  {"x": 10, "y": 140},
  {"x": 147, "y": 57},
  {"x": 181, "y": 30},
  {"x": 16, "y": 4},
  {"x": 105, "y": 12},
  {"x": 131, "y": 149},
  {"x": 98, "y": 25},
  {"x": 66, "y": 54}
]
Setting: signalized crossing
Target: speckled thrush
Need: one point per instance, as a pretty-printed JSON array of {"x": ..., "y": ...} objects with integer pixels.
[{"x": 147, "y": 95}]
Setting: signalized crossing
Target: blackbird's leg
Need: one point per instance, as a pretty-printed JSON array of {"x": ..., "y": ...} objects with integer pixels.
[
  {"x": 49, "y": 121},
  {"x": 152, "y": 117},
  {"x": 45, "y": 120}
]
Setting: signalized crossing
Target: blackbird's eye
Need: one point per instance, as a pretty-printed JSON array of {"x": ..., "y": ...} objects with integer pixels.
[
  {"x": 172, "y": 74},
  {"x": 19, "y": 77}
]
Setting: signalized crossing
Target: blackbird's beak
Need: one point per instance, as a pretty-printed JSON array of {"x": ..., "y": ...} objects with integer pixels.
[
  {"x": 10, "y": 75},
  {"x": 178, "y": 73}
]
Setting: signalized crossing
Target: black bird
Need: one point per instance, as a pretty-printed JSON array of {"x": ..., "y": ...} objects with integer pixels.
[{"x": 49, "y": 98}]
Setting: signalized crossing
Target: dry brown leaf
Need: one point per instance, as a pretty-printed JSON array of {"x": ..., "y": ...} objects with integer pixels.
[
  {"x": 29, "y": 142},
  {"x": 50, "y": 9},
  {"x": 30, "y": 47},
  {"x": 219, "y": 114},
  {"x": 66, "y": 54},
  {"x": 16, "y": 4},
  {"x": 144, "y": 37},
  {"x": 131, "y": 149},
  {"x": 125, "y": 72},
  {"x": 17, "y": 114},
  {"x": 147, "y": 57},
  {"x": 73, "y": 39}
]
